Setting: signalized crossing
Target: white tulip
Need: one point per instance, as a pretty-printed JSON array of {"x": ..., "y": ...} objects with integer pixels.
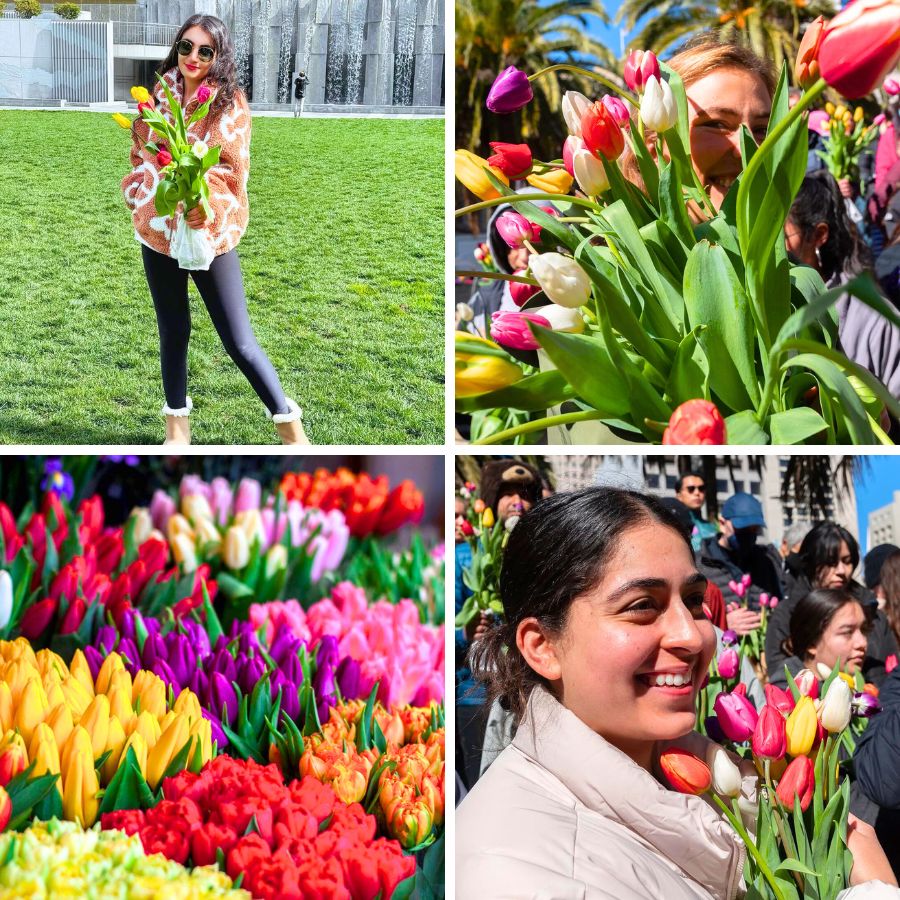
[
  {"x": 464, "y": 311},
  {"x": 658, "y": 108},
  {"x": 589, "y": 173},
  {"x": 199, "y": 149},
  {"x": 574, "y": 106},
  {"x": 6, "y": 598},
  {"x": 561, "y": 279},
  {"x": 726, "y": 776},
  {"x": 834, "y": 713},
  {"x": 561, "y": 318}
]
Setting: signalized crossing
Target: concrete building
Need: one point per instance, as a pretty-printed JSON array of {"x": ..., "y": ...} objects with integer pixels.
[
  {"x": 884, "y": 524},
  {"x": 366, "y": 55}
]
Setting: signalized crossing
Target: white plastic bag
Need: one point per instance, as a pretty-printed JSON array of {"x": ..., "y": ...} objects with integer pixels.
[{"x": 190, "y": 247}]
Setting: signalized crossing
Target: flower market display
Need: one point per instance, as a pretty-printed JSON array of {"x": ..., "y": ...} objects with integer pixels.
[
  {"x": 659, "y": 318},
  {"x": 237, "y": 692}
]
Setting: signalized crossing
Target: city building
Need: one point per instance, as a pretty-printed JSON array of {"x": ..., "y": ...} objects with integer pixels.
[{"x": 884, "y": 523}]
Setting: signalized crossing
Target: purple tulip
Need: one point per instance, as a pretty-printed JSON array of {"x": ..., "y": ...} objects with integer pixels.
[
  {"x": 164, "y": 670},
  {"x": 223, "y": 665},
  {"x": 323, "y": 685},
  {"x": 162, "y": 508},
  {"x": 348, "y": 678},
  {"x": 290, "y": 696},
  {"x": 197, "y": 637},
  {"x": 714, "y": 729},
  {"x": 292, "y": 669},
  {"x": 94, "y": 660},
  {"x": 249, "y": 673},
  {"x": 729, "y": 637},
  {"x": 129, "y": 650},
  {"x": 284, "y": 644},
  {"x": 327, "y": 653},
  {"x": 107, "y": 638},
  {"x": 865, "y": 705},
  {"x": 181, "y": 659},
  {"x": 218, "y": 735},
  {"x": 127, "y": 629},
  {"x": 248, "y": 496},
  {"x": 154, "y": 649},
  {"x": 728, "y": 663},
  {"x": 222, "y": 695},
  {"x": 200, "y": 683},
  {"x": 510, "y": 91}
]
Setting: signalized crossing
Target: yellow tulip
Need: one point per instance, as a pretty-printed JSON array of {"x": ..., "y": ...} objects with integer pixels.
[
  {"x": 48, "y": 662},
  {"x": 178, "y": 524},
  {"x": 60, "y": 720},
  {"x": 120, "y": 681},
  {"x": 96, "y": 722},
  {"x": 6, "y": 707},
  {"x": 32, "y": 710},
  {"x": 143, "y": 524},
  {"x": 80, "y": 782},
  {"x": 120, "y": 705},
  {"x": 196, "y": 507},
  {"x": 188, "y": 705},
  {"x": 858, "y": 114},
  {"x": 208, "y": 535},
  {"x": 801, "y": 727},
  {"x": 82, "y": 671},
  {"x": 55, "y": 695},
  {"x": 147, "y": 726},
  {"x": 17, "y": 676},
  {"x": 477, "y": 373},
  {"x": 115, "y": 740},
  {"x": 44, "y": 752},
  {"x": 487, "y": 518},
  {"x": 11, "y": 738},
  {"x": 556, "y": 181},
  {"x": 122, "y": 121},
  {"x": 839, "y": 111},
  {"x": 829, "y": 108},
  {"x": 149, "y": 694},
  {"x": 201, "y": 731},
  {"x": 236, "y": 551},
  {"x": 141, "y": 94},
  {"x": 139, "y": 745},
  {"x": 111, "y": 664},
  {"x": 77, "y": 698},
  {"x": 173, "y": 738},
  {"x": 276, "y": 559},
  {"x": 471, "y": 171},
  {"x": 166, "y": 719},
  {"x": 184, "y": 552}
]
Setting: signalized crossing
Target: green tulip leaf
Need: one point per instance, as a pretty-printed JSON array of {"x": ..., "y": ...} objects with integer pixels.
[
  {"x": 743, "y": 428},
  {"x": 795, "y": 426},
  {"x": 689, "y": 377},
  {"x": 531, "y": 394}
]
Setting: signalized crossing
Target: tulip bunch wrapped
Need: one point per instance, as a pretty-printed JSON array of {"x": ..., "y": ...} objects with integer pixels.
[
  {"x": 61, "y": 859},
  {"x": 183, "y": 166},
  {"x": 847, "y": 136},
  {"x": 800, "y": 843},
  {"x": 282, "y": 840},
  {"x": 487, "y": 538},
  {"x": 679, "y": 301}
]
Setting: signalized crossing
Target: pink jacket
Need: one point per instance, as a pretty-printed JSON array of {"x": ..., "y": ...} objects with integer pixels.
[{"x": 227, "y": 180}]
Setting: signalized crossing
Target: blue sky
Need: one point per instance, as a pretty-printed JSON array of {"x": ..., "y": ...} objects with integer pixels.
[{"x": 875, "y": 488}]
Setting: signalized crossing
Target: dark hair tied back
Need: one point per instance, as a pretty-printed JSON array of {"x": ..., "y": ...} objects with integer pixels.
[{"x": 557, "y": 552}]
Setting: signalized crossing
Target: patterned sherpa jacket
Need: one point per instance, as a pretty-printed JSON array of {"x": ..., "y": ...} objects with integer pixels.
[{"x": 229, "y": 129}]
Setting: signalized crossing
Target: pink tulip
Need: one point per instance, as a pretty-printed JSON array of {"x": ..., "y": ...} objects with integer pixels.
[
  {"x": 618, "y": 109},
  {"x": 773, "y": 603},
  {"x": 728, "y": 663},
  {"x": 763, "y": 599},
  {"x": 570, "y": 147},
  {"x": 203, "y": 94},
  {"x": 222, "y": 497},
  {"x": 736, "y": 715},
  {"x": 248, "y": 495},
  {"x": 891, "y": 85},
  {"x": 515, "y": 229},
  {"x": 194, "y": 484},
  {"x": 162, "y": 508},
  {"x": 807, "y": 683},
  {"x": 746, "y": 579},
  {"x": 879, "y": 119},
  {"x": 640, "y": 66},
  {"x": 782, "y": 700},
  {"x": 511, "y": 329}
]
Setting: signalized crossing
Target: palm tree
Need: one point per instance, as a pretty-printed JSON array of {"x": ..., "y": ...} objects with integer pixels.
[
  {"x": 494, "y": 34},
  {"x": 771, "y": 28}
]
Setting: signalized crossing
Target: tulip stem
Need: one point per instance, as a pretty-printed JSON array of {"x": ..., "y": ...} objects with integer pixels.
[
  {"x": 788, "y": 842},
  {"x": 496, "y": 276},
  {"x": 525, "y": 198},
  {"x": 539, "y": 425},
  {"x": 738, "y": 825},
  {"x": 631, "y": 98}
]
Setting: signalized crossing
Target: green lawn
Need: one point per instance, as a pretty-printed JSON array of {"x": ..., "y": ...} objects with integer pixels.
[{"x": 343, "y": 265}]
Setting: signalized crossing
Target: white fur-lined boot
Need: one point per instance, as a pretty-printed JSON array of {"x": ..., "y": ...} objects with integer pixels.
[
  {"x": 289, "y": 424},
  {"x": 178, "y": 428}
]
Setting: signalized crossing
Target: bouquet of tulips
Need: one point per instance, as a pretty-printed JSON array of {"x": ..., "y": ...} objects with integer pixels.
[
  {"x": 653, "y": 299},
  {"x": 183, "y": 168},
  {"x": 723, "y": 675},
  {"x": 847, "y": 137},
  {"x": 799, "y": 848}
]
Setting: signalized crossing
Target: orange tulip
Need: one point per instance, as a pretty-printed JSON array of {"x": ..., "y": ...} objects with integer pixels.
[{"x": 684, "y": 771}]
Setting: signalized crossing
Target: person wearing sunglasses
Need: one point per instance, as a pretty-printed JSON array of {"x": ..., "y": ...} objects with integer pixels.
[
  {"x": 201, "y": 62},
  {"x": 690, "y": 489}
]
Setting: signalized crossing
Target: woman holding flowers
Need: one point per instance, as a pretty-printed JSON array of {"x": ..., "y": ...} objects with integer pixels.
[
  {"x": 200, "y": 70},
  {"x": 600, "y": 660}
]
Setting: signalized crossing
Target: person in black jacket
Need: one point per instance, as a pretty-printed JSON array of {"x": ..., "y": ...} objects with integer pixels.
[
  {"x": 299, "y": 93},
  {"x": 830, "y": 556}
]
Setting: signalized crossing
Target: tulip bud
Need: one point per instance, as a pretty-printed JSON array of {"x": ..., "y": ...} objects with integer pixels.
[
  {"x": 728, "y": 663},
  {"x": 736, "y": 716},
  {"x": 139, "y": 745},
  {"x": 684, "y": 771},
  {"x": 800, "y": 728},
  {"x": 196, "y": 507},
  {"x": 32, "y": 710},
  {"x": 44, "y": 753},
  {"x": 143, "y": 523},
  {"x": 173, "y": 738},
  {"x": 807, "y": 683},
  {"x": 798, "y": 780},
  {"x": 184, "y": 553},
  {"x": 81, "y": 671},
  {"x": 510, "y": 91},
  {"x": 769, "y": 739},
  {"x": 13, "y": 759},
  {"x": 726, "y": 776},
  {"x": 112, "y": 663},
  {"x": 513, "y": 160},
  {"x": 147, "y": 726},
  {"x": 276, "y": 559},
  {"x": 563, "y": 319},
  {"x": 552, "y": 181},
  {"x": 80, "y": 782},
  {"x": 115, "y": 740},
  {"x": 208, "y": 536},
  {"x": 96, "y": 722},
  {"x": 589, "y": 173},
  {"x": 781, "y": 700},
  {"x": 617, "y": 109},
  {"x": 561, "y": 278},
  {"x": 60, "y": 721},
  {"x": 834, "y": 713},
  {"x": 639, "y": 67},
  {"x": 201, "y": 731},
  {"x": 236, "y": 553},
  {"x": 76, "y": 697},
  {"x": 149, "y": 694},
  {"x": 601, "y": 133},
  {"x": 695, "y": 422},
  {"x": 574, "y": 106},
  {"x": 487, "y": 518},
  {"x": 806, "y": 68},
  {"x": 514, "y": 228},
  {"x": 479, "y": 506},
  {"x": 659, "y": 111},
  {"x": 470, "y": 172}
]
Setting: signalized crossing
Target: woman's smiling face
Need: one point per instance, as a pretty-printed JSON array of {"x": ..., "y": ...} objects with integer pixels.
[
  {"x": 192, "y": 67},
  {"x": 636, "y": 647},
  {"x": 718, "y": 105}
]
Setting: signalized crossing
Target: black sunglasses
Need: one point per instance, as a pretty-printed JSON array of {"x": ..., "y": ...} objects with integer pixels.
[
  {"x": 184, "y": 48},
  {"x": 693, "y": 488}
]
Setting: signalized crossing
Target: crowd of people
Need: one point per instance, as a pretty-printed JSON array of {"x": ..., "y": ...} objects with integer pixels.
[{"x": 558, "y": 780}]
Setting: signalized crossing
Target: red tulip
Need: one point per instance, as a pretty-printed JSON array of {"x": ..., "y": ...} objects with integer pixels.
[
  {"x": 110, "y": 549},
  {"x": 798, "y": 780},
  {"x": 404, "y": 505},
  {"x": 65, "y": 583},
  {"x": 91, "y": 512},
  {"x": 513, "y": 160},
  {"x": 73, "y": 617},
  {"x": 737, "y": 716},
  {"x": 601, "y": 133},
  {"x": 695, "y": 422},
  {"x": 7, "y": 523},
  {"x": 163, "y": 158},
  {"x": 640, "y": 66},
  {"x": 860, "y": 47},
  {"x": 521, "y": 292},
  {"x": 36, "y": 533},
  {"x": 769, "y": 741},
  {"x": 684, "y": 771},
  {"x": 806, "y": 69},
  {"x": 783, "y": 701},
  {"x": 12, "y": 761},
  {"x": 37, "y": 618},
  {"x": 5, "y": 808}
]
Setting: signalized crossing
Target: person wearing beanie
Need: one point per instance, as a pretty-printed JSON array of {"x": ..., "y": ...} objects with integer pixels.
[
  {"x": 510, "y": 487},
  {"x": 874, "y": 561}
]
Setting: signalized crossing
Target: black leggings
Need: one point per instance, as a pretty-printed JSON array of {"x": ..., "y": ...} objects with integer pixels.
[{"x": 222, "y": 290}]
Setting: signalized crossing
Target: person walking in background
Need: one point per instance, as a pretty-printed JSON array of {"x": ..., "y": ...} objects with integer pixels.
[
  {"x": 201, "y": 65},
  {"x": 690, "y": 489},
  {"x": 299, "y": 92}
]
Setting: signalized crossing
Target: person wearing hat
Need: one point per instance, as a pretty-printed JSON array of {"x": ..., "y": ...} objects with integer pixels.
[{"x": 725, "y": 560}]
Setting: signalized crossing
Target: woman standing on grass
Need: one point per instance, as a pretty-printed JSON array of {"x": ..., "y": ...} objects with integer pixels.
[{"x": 202, "y": 60}]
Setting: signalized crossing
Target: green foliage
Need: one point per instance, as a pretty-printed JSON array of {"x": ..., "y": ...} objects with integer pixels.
[
  {"x": 67, "y": 10},
  {"x": 348, "y": 306},
  {"x": 27, "y": 9}
]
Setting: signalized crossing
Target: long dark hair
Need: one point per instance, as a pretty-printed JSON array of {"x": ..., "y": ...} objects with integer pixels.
[
  {"x": 557, "y": 552},
  {"x": 820, "y": 201},
  {"x": 222, "y": 71},
  {"x": 811, "y": 616},
  {"x": 890, "y": 584},
  {"x": 822, "y": 547}
]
